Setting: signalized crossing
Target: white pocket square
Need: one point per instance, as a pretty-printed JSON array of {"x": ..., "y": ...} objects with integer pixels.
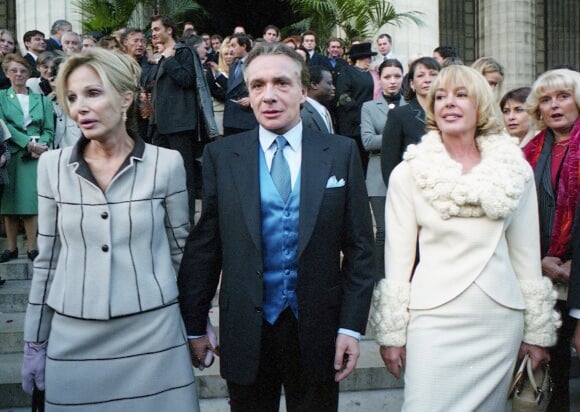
[{"x": 332, "y": 182}]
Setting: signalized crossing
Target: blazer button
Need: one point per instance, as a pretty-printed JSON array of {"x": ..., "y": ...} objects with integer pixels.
[
  {"x": 259, "y": 274},
  {"x": 104, "y": 215},
  {"x": 258, "y": 309},
  {"x": 105, "y": 248}
]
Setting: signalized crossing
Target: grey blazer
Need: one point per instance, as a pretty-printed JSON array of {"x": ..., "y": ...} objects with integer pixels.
[
  {"x": 106, "y": 254},
  {"x": 312, "y": 119},
  {"x": 373, "y": 119}
]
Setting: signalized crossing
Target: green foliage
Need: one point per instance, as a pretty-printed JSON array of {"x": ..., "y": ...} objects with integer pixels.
[
  {"x": 106, "y": 16},
  {"x": 354, "y": 18}
]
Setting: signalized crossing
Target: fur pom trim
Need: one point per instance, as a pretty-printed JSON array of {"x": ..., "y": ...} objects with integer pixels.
[
  {"x": 492, "y": 188},
  {"x": 540, "y": 319},
  {"x": 390, "y": 312}
]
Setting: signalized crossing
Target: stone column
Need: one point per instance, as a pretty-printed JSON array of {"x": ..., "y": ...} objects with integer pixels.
[
  {"x": 507, "y": 32},
  {"x": 410, "y": 39}
]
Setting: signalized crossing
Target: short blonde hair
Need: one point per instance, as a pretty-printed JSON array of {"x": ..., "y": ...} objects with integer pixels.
[
  {"x": 488, "y": 115},
  {"x": 119, "y": 73},
  {"x": 560, "y": 79}
]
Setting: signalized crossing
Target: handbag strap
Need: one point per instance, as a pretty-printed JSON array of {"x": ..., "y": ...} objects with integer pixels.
[{"x": 537, "y": 389}]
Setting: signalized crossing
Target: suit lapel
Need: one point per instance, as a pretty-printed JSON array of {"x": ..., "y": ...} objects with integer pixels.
[
  {"x": 34, "y": 101},
  {"x": 315, "y": 170},
  {"x": 382, "y": 106},
  {"x": 317, "y": 118},
  {"x": 246, "y": 175}
]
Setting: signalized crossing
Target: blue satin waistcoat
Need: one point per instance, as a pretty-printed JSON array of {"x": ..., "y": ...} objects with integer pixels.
[{"x": 279, "y": 245}]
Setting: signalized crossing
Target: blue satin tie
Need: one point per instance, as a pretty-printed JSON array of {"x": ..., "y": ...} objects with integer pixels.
[{"x": 280, "y": 171}]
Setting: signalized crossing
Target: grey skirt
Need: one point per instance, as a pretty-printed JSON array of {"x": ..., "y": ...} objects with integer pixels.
[{"x": 133, "y": 363}]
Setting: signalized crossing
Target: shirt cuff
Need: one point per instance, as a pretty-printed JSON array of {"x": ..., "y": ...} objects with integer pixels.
[
  {"x": 575, "y": 313},
  {"x": 195, "y": 337},
  {"x": 350, "y": 333}
]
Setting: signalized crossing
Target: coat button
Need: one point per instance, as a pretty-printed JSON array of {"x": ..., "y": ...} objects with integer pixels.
[
  {"x": 104, "y": 215},
  {"x": 105, "y": 248},
  {"x": 259, "y": 274},
  {"x": 258, "y": 309}
]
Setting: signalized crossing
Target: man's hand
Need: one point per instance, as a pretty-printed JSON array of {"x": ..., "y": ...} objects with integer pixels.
[
  {"x": 555, "y": 269},
  {"x": 198, "y": 348},
  {"x": 346, "y": 356},
  {"x": 394, "y": 358}
]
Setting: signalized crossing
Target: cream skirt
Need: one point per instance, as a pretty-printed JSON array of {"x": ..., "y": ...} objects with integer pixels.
[
  {"x": 460, "y": 355},
  {"x": 134, "y": 363}
]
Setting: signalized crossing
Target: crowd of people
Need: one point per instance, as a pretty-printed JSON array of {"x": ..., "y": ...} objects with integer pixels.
[{"x": 330, "y": 183}]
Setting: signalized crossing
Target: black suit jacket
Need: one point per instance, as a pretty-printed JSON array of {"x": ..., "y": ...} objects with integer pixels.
[
  {"x": 574, "y": 282},
  {"x": 52, "y": 45},
  {"x": 359, "y": 87},
  {"x": 32, "y": 62},
  {"x": 235, "y": 115},
  {"x": 175, "y": 96},
  {"x": 332, "y": 293},
  {"x": 405, "y": 125}
]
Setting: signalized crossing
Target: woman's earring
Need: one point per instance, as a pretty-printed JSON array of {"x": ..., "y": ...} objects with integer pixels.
[{"x": 124, "y": 117}]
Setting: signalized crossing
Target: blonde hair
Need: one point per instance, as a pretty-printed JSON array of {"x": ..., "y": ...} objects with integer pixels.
[
  {"x": 486, "y": 65},
  {"x": 224, "y": 48},
  {"x": 488, "y": 115},
  {"x": 560, "y": 79},
  {"x": 119, "y": 73}
]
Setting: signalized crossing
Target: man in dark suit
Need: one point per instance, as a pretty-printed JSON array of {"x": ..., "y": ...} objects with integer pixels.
[
  {"x": 238, "y": 115},
  {"x": 59, "y": 27},
  {"x": 281, "y": 202},
  {"x": 314, "y": 113},
  {"x": 174, "y": 120},
  {"x": 309, "y": 43},
  {"x": 35, "y": 44}
]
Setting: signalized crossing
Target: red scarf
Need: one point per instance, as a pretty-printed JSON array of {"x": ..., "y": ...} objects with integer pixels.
[{"x": 567, "y": 191}]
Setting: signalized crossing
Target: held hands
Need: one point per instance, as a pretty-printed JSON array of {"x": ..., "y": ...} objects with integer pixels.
[
  {"x": 244, "y": 101},
  {"x": 346, "y": 356},
  {"x": 33, "y": 366},
  {"x": 36, "y": 149},
  {"x": 538, "y": 355},
  {"x": 202, "y": 349},
  {"x": 555, "y": 269},
  {"x": 394, "y": 358}
]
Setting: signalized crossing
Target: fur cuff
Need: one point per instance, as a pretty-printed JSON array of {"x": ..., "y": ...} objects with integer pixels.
[
  {"x": 540, "y": 318},
  {"x": 390, "y": 312}
]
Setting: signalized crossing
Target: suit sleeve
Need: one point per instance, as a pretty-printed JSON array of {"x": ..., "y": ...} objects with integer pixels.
[
  {"x": 47, "y": 135},
  {"x": 357, "y": 248},
  {"x": 38, "y": 313},
  {"x": 176, "y": 209},
  {"x": 370, "y": 138},
  {"x": 392, "y": 144},
  {"x": 574, "y": 282},
  {"x": 523, "y": 239},
  {"x": 180, "y": 68},
  {"x": 201, "y": 264},
  {"x": 391, "y": 296}
]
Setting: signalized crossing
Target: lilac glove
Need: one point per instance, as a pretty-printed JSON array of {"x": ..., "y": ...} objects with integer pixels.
[
  {"x": 211, "y": 335},
  {"x": 33, "y": 366}
]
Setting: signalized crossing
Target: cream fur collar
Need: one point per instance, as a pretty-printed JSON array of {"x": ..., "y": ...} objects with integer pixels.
[{"x": 492, "y": 188}]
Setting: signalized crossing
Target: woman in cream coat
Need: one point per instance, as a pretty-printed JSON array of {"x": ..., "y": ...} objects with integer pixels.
[
  {"x": 113, "y": 221},
  {"x": 477, "y": 296}
]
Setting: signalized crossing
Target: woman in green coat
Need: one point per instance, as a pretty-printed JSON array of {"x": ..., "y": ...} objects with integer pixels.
[{"x": 30, "y": 121}]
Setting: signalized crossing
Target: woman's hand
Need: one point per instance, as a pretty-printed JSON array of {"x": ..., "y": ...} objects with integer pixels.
[
  {"x": 36, "y": 149},
  {"x": 538, "y": 355},
  {"x": 555, "y": 269},
  {"x": 394, "y": 358}
]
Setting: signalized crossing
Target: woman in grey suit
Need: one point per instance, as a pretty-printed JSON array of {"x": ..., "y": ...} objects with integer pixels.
[
  {"x": 113, "y": 220},
  {"x": 373, "y": 119}
]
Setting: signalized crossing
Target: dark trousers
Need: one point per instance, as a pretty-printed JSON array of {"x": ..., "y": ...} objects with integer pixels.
[
  {"x": 378, "y": 208},
  {"x": 184, "y": 143},
  {"x": 280, "y": 366},
  {"x": 560, "y": 362}
]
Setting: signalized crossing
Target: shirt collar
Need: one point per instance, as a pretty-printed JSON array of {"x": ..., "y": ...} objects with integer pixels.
[{"x": 292, "y": 136}]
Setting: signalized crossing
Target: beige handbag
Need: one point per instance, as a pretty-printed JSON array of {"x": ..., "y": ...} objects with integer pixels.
[{"x": 530, "y": 390}]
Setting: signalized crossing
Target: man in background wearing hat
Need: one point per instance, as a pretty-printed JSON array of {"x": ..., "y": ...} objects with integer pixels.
[{"x": 355, "y": 86}]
